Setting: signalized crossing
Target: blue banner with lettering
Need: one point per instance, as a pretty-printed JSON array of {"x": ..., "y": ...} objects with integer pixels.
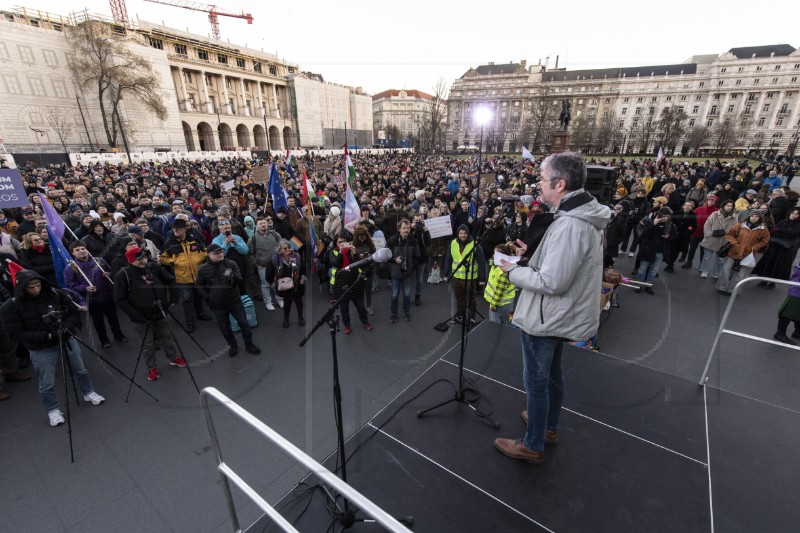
[{"x": 12, "y": 193}]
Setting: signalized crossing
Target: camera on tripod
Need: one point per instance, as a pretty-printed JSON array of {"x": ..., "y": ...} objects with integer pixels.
[{"x": 55, "y": 317}]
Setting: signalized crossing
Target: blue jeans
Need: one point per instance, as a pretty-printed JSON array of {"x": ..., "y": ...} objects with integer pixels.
[
  {"x": 544, "y": 385},
  {"x": 711, "y": 258},
  {"x": 45, "y": 362},
  {"x": 192, "y": 302},
  {"x": 649, "y": 269},
  {"x": 406, "y": 283},
  {"x": 501, "y": 315},
  {"x": 419, "y": 271}
]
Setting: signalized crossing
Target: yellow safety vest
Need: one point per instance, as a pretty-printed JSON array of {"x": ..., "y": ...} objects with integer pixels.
[
  {"x": 499, "y": 291},
  {"x": 458, "y": 255}
]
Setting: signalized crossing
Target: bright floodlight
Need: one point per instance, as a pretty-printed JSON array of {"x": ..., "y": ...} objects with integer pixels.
[{"x": 482, "y": 115}]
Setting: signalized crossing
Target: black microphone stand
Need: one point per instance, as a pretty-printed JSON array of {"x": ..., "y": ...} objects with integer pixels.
[
  {"x": 347, "y": 515},
  {"x": 461, "y": 390}
]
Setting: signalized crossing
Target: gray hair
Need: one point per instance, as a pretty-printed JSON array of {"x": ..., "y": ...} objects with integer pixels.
[
  {"x": 567, "y": 166},
  {"x": 284, "y": 242}
]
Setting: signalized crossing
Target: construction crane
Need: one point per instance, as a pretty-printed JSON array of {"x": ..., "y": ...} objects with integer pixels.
[{"x": 213, "y": 12}]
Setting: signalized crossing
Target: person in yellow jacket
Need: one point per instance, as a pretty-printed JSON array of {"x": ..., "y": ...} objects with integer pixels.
[
  {"x": 745, "y": 201},
  {"x": 185, "y": 255},
  {"x": 499, "y": 291}
]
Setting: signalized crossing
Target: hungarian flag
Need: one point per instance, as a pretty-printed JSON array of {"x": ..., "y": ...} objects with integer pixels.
[
  {"x": 288, "y": 157},
  {"x": 308, "y": 190},
  {"x": 351, "y": 211}
]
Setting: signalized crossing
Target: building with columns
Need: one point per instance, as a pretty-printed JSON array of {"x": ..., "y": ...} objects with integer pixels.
[
  {"x": 744, "y": 100},
  {"x": 228, "y": 95},
  {"x": 403, "y": 109}
]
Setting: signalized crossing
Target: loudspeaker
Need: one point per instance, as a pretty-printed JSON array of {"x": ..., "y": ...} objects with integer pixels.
[{"x": 600, "y": 182}]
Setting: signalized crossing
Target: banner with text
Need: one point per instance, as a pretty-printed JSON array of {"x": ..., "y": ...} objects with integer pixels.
[{"x": 12, "y": 193}]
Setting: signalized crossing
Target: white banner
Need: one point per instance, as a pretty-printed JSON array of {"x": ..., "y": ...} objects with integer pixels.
[{"x": 439, "y": 226}]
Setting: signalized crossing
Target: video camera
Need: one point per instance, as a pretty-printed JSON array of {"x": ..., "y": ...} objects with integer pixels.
[{"x": 55, "y": 317}]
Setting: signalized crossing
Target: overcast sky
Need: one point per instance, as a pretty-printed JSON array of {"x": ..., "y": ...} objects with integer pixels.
[{"x": 413, "y": 43}]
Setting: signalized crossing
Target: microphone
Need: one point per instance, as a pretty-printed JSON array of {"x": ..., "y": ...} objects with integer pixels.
[{"x": 381, "y": 256}]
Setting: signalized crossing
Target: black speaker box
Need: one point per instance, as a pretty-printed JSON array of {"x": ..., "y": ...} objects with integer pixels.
[{"x": 600, "y": 182}]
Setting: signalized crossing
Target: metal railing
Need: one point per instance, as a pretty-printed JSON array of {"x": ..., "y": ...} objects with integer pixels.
[
  {"x": 326, "y": 476},
  {"x": 722, "y": 329}
]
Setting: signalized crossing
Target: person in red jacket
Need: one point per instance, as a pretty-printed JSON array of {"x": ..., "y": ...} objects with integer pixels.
[{"x": 702, "y": 213}]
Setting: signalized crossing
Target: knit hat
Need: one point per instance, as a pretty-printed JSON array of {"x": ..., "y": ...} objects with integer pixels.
[
  {"x": 282, "y": 209},
  {"x": 335, "y": 211},
  {"x": 132, "y": 254},
  {"x": 751, "y": 191},
  {"x": 179, "y": 223},
  {"x": 136, "y": 230},
  {"x": 73, "y": 208},
  {"x": 712, "y": 197}
]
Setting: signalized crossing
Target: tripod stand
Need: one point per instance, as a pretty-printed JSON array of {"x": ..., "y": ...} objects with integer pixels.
[
  {"x": 64, "y": 335},
  {"x": 164, "y": 316},
  {"x": 347, "y": 515}
]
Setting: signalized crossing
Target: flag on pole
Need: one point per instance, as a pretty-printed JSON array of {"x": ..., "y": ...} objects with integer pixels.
[
  {"x": 526, "y": 154},
  {"x": 13, "y": 269},
  {"x": 351, "y": 211},
  {"x": 276, "y": 189},
  {"x": 61, "y": 257},
  {"x": 288, "y": 157},
  {"x": 308, "y": 190},
  {"x": 660, "y": 156},
  {"x": 472, "y": 212},
  {"x": 54, "y": 221}
]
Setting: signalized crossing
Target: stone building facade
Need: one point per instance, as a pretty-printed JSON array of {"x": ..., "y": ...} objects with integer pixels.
[
  {"x": 746, "y": 99},
  {"x": 330, "y": 113},
  {"x": 406, "y": 110}
]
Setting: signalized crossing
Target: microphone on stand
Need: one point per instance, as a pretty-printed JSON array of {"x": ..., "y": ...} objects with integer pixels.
[{"x": 381, "y": 256}]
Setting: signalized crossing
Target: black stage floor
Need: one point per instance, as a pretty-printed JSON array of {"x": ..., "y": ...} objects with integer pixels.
[{"x": 633, "y": 454}]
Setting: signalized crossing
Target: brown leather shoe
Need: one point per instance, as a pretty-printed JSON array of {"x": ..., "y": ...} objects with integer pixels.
[
  {"x": 17, "y": 376},
  {"x": 515, "y": 449},
  {"x": 550, "y": 437},
  {"x": 4, "y": 396}
]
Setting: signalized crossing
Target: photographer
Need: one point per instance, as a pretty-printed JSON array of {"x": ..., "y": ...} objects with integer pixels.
[
  {"x": 34, "y": 318},
  {"x": 405, "y": 256},
  {"x": 220, "y": 283},
  {"x": 145, "y": 291},
  {"x": 420, "y": 234},
  {"x": 654, "y": 246}
]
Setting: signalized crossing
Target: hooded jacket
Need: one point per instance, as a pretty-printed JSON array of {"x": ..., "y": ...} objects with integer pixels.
[
  {"x": 184, "y": 256},
  {"x": 561, "y": 284},
  {"x": 264, "y": 246},
  {"x": 22, "y": 316}
]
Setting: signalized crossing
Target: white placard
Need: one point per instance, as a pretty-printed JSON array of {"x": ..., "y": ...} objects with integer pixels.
[
  {"x": 439, "y": 226},
  {"x": 513, "y": 259},
  {"x": 228, "y": 185}
]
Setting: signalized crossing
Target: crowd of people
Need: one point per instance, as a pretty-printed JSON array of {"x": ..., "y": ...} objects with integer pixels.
[{"x": 149, "y": 236}]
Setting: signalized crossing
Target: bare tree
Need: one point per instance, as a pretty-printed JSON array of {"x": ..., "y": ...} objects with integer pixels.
[
  {"x": 61, "y": 122},
  {"x": 580, "y": 133},
  {"x": 698, "y": 136},
  {"x": 542, "y": 111},
  {"x": 671, "y": 126},
  {"x": 102, "y": 63},
  {"x": 392, "y": 134},
  {"x": 725, "y": 134},
  {"x": 433, "y": 125},
  {"x": 606, "y": 131}
]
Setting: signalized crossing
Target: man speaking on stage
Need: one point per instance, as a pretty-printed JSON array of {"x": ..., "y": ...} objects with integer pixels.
[{"x": 560, "y": 288}]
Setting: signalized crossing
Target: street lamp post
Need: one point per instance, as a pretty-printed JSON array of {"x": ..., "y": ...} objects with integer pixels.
[
  {"x": 266, "y": 130},
  {"x": 482, "y": 116}
]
